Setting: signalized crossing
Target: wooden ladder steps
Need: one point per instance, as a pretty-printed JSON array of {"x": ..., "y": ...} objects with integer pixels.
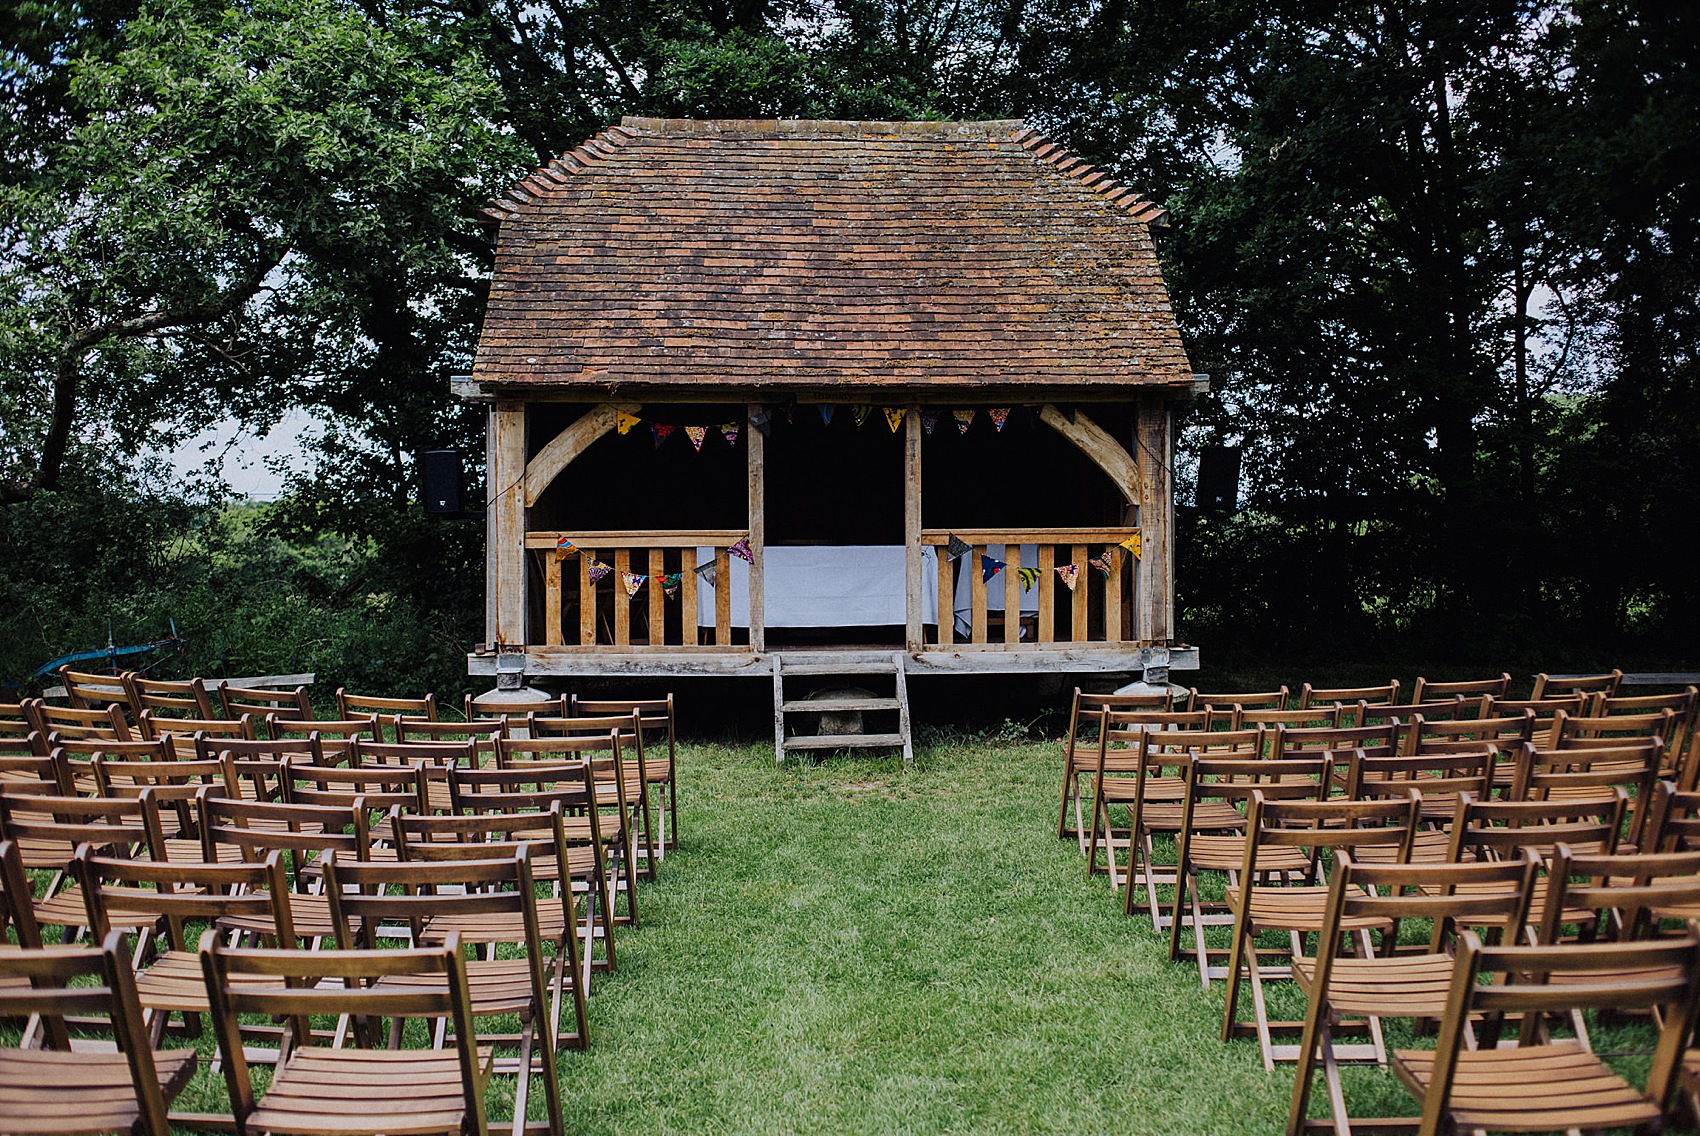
[
  {"x": 813, "y": 665},
  {"x": 839, "y": 705},
  {"x": 806, "y": 670},
  {"x": 844, "y": 741}
]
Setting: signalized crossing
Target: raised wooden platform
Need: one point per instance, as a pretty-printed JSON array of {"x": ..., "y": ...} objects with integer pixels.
[{"x": 706, "y": 662}]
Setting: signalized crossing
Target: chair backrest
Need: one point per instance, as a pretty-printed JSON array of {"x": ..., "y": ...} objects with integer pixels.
[
  {"x": 431, "y": 983},
  {"x": 603, "y": 752},
  {"x": 1470, "y": 689},
  {"x": 1162, "y": 747},
  {"x": 1294, "y": 741},
  {"x": 49, "y": 829},
  {"x": 656, "y": 714},
  {"x": 78, "y": 722},
  {"x": 527, "y": 787},
  {"x": 174, "y": 784},
  {"x": 17, "y": 909},
  {"x": 1473, "y": 735},
  {"x": 1321, "y": 826},
  {"x": 303, "y": 833},
  {"x": 170, "y": 699},
  {"x": 154, "y": 727},
  {"x": 37, "y": 773},
  {"x": 1376, "y": 713},
  {"x": 1437, "y": 778},
  {"x": 265, "y": 702},
  {"x": 508, "y": 708},
  {"x": 629, "y": 726},
  {"x": 358, "y": 706},
  {"x": 1233, "y": 780},
  {"x": 1673, "y": 819},
  {"x": 365, "y": 754},
  {"x": 75, "y": 982},
  {"x": 1681, "y": 705},
  {"x": 1576, "y": 731},
  {"x": 172, "y": 893},
  {"x": 1257, "y": 700},
  {"x": 377, "y": 789},
  {"x": 499, "y": 835},
  {"x": 1497, "y": 982},
  {"x": 1320, "y": 717},
  {"x": 15, "y": 724},
  {"x": 1492, "y": 894},
  {"x": 1590, "y": 774},
  {"x": 1122, "y": 729},
  {"x": 1310, "y": 696},
  {"x": 1625, "y": 893},
  {"x": 1504, "y": 829},
  {"x": 1550, "y": 686},
  {"x": 87, "y": 690},
  {"x": 326, "y": 730},
  {"x": 411, "y": 729}
]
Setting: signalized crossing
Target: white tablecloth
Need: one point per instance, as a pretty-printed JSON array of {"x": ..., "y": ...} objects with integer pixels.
[{"x": 854, "y": 585}]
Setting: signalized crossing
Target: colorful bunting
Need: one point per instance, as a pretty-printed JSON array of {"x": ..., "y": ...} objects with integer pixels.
[
  {"x": 706, "y": 571},
  {"x": 599, "y": 569},
  {"x": 564, "y": 547},
  {"x": 826, "y": 409},
  {"x": 893, "y": 416},
  {"x": 633, "y": 581},
  {"x": 929, "y": 419},
  {"x": 730, "y": 430},
  {"x": 741, "y": 549},
  {"x": 670, "y": 583},
  {"x": 964, "y": 419},
  {"x": 1105, "y": 562},
  {"x": 989, "y": 566},
  {"x": 662, "y": 432},
  {"x": 624, "y": 422},
  {"x": 696, "y": 434},
  {"x": 1029, "y": 577},
  {"x": 957, "y": 549},
  {"x": 999, "y": 417},
  {"x": 1069, "y": 574},
  {"x": 1133, "y": 544}
]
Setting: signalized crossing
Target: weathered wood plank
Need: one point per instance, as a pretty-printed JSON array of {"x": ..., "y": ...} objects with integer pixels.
[
  {"x": 1047, "y": 593},
  {"x": 1113, "y": 595},
  {"x": 1078, "y": 630},
  {"x": 563, "y": 448},
  {"x": 977, "y": 593},
  {"x": 657, "y": 598},
  {"x": 552, "y": 633},
  {"x": 947, "y": 597},
  {"x": 1154, "y": 434},
  {"x": 912, "y": 529},
  {"x": 586, "y": 602},
  {"x": 622, "y": 602},
  {"x": 643, "y": 538},
  {"x": 505, "y": 510},
  {"x": 1012, "y": 593},
  {"x": 1097, "y": 535},
  {"x": 758, "y": 529},
  {"x": 991, "y": 658},
  {"x": 722, "y": 598},
  {"x": 1101, "y": 447},
  {"x": 688, "y": 599}
]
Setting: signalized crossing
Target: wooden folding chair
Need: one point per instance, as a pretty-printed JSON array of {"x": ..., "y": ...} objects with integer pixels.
[
  {"x": 302, "y": 834},
  {"x": 1551, "y": 686},
  {"x": 1438, "y": 780},
  {"x": 433, "y": 758},
  {"x": 330, "y": 1092},
  {"x": 1390, "y": 983},
  {"x": 1261, "y": 700},
  {"x": 499, "y": 898},
  {"x": 1115, "y": 769},
  {"x": 326, "y": 741},
  {"x": 1590, "y": 774},
  {"x": 657, "y": 717},
  {"x": 1468, "y": 735},
  {"x": 1213, "y": 837},
  {"x": 56, "y": 1090},
  {"x": 633, "y": 753},
  {"x": 53, "y": 724},
  {"x": 174, "y": 785},
  {"x": 1344, "y": 696},
  {"x": 1471, "y": 690},
  {"x": 169, "y": 699},
  {"x": 1282, "y": 888},
  {"x": 264, "y": 703},
  {"x": 386, "y": 709},
  {"x": 161, "y": 899},
  {"x": 87, "y": 690},
  {"x": 534, "y": 788},
  {"x": 1311, "y": 718},
  {"x": 1682, "y": 708},
  {"x": 1554, "y": 1086},
  {"x": 480, "y": 730},
  {"x": 48, "y": 831},
  {"x": 1080, "y": 750},
  {"x": 512, "y": 710}
]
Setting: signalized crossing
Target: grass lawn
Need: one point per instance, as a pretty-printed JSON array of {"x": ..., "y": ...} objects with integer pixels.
[{"x": 850, "y": 948}]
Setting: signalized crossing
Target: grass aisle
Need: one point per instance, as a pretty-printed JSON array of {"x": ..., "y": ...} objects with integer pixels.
[{"x": 847, "y": 948}]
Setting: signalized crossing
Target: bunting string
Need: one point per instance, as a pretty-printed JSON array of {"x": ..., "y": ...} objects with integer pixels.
[
  {"x": 625, "y": 421},
  {"x": 956, "y": 548}
]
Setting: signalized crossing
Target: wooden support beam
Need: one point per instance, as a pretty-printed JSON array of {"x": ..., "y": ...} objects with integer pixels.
[
  {"x": 622, "y": 602},
  {"x": 504, "y": 612},
  {"x": 1154, "y": 435},
  {"x": 756, "y": 442},
  {"x": 1099, "y": 445},
  {"x": 563, "y": 448},
  {"x": 977, "y": 593},
  {"x": 912, "y": 531}
]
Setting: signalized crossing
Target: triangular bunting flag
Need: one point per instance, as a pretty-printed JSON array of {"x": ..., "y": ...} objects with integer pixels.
[
  {"x": 894, "y": 416},
  {"x": 633, "y": 581},
  {"x": 662, "y": 432},
  {"x": 1029, "y": 577},
  {"x": 696, "y": 434},
  {"x": 826, "y": 409},
  {"x": 861, "y": 413},
  {"x": 964, "y": 419},
  {"x": 624, "y": 422},
  {"x": 989, "y": 567},
  {"x": 999, "y": 417},
  {"x": 1134, "y": 544},
  {"x": 741, "y": 549},
  {"x": 706, "y": 571},
  {"x": 730, "y": 430},
  {"x": 929, "y": 419},
  {"x": 564, "y": 547},
  {"x": 1105, "y": 563},
  {"x": 599, "y": 569},
  {"x": 670, "y": 583},
  {"x": 1069, "y": 574},
  {"x": 957, "y": 548}
]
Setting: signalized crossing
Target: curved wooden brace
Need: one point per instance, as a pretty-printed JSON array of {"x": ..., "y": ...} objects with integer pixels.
[
  {"x": 1097, "y": 443},
  {"x": 563, "y": 448}
]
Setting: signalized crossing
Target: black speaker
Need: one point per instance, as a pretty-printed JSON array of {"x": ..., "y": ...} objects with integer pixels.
[
  {"x": 440, "y": 470},
  {"x": 1219, "y": 479}
]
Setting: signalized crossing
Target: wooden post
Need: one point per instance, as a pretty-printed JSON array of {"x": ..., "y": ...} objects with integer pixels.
[
  {"x": 758, "y": 530},
  {"x": 977, "y": 595},
  {"x": 1153, "y": 435},
  {"x": 504, "y": 565},
  {"x": 912, "y": 530},
  {"x": 722, "y": 598}
]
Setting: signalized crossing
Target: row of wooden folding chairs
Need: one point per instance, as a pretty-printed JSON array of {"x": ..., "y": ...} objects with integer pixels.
[{"x": 1424, "y": 689}]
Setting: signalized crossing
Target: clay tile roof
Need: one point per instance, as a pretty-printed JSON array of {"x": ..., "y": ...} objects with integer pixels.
[{"x": 672, "y": 257}]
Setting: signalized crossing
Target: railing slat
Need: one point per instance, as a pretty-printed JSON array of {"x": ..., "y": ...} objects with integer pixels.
[
  {"x": 586, "y": 602},
  {"x": 1047, "y": 593},
  {"x": 947, "y": 598},
  {"x": 1078, "y": 632},
  {"x": 622, "y": 603},
  {"x": 657, "y": 598},
  {"x": 552, "y": 634},
  {"x": 977, "y": 586},
  {"x": 1113, "y": 598},
  {"x": 688, "y": 598},
  {"x": 722, "y": 598},
  {"x": 1012, "y": 593}
]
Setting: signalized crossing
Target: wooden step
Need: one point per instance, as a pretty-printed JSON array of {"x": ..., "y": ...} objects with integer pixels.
[
  {"x": 803, "y": 670},
  {"x": 845, "y": 741},
  {"x": 835, "y": 705}
]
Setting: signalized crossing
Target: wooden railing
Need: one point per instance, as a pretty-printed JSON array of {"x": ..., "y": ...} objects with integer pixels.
[
  {"x": 600, "y": 610},
  {"x": 1098, "y": 610}
]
